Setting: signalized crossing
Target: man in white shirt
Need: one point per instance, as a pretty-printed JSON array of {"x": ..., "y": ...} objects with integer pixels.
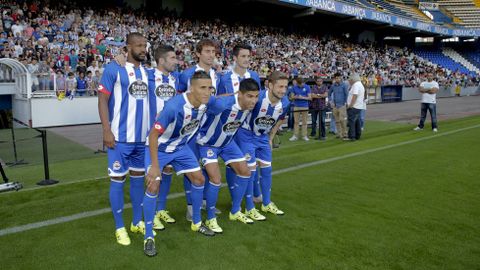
[
  {"x": 429, "y": 91},
  {"x": 355, "y": 105}
]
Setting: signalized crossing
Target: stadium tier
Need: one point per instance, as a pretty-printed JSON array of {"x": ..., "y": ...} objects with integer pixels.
[
  {"x": 438, "y": 57},
  {"x": 466, "y": 10}
]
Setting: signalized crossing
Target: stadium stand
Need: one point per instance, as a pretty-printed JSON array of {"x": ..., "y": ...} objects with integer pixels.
[
  {"x": 410, "y": 10},
  {"x": 388, "y": 7},
  {"x": 437, "y": 57},
  {"x": 63, "y": 41},
  {"x": 466, "y": 10}
]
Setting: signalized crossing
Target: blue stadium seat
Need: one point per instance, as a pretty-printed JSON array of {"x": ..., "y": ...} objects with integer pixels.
[
  {"x": 437, "y": 57},
  {"x": 439, "y": 17},
  {"x": 473, "y": 57}
]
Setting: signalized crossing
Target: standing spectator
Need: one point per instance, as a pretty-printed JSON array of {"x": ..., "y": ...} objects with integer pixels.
[
  {"x": 81, "y": 85},
  {"x": 429, "y": 91},
  {"x": 43, "y": 76},
  {"x": 73, "y": 59},
  {"x": 333, "y": 127},
  {"x": 363, "y": 112},
  {"x": 71, "y": 84},
  {"x": 301, "y": 95},
  {"x": 339, "y": 93},
  {"x": 61, "y": 85},
  {"x": 355, "y": 102},
  {"x": 33, "y": 68},
  {"x": 290, "y": 107},
  {"x": 318, "y": 108},
  {"x": 90, "y": 84}
]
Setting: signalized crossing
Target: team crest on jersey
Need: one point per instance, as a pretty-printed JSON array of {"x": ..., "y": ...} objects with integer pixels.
[
  {"x": 265, "y": 122},
  {"x": 190, "y": 127},
  {"x": 209, "y": 153},
  {"x": 233, "y": 114},
  {"x": 138, "y": 89},
  {"x": 187, "y": 116},
  {"x": 248, "y": 157},
  {"x": 235, "y": 84},
  {"x": 231, "y": 127},
  {"x": 165, "y": 91},
  {"x": 263, "y": 110},
  {"x": 116, "y": 165},
  {"x": 130, "y": 74}
]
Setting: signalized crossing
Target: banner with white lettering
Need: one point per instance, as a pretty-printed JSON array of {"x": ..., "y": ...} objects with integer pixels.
[{"x": 374, "y": 15}]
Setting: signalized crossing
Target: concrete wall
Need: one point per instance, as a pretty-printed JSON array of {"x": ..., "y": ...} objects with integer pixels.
[
  {"x": 410, "y": 93},
  {"x": 21, "y": 111},
  {"x": 48, "y": 112}
]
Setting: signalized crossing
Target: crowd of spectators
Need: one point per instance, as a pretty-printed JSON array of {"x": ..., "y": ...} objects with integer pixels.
[{"x": 62, "y": 44}]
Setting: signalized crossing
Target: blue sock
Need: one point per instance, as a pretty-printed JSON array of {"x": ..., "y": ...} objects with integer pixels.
[
  {"x": 187, "y": 186},
  {"x": 206, "y": 187},
  {"x": 249, "y": 205},
  {"x": 116, "y": 201},
  {"x": 239, "y": 192},
  {"x": 212, "y": 197},
  {"x": 256, "y": 184},
  {"x": 136, "y": 197},
  {"x": 149, "y": 202},
  {"x": 197, "y": 195},
  {"x": 163, "y": 192},
  {"x": 231, "y": 177},
  {"x": 205, "y": 174},
  {"x": 266, "y": 184}
]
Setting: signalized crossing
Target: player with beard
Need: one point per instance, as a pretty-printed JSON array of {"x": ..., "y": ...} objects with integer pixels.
[
  {"x": 163, "y": 84},
  {"x": 123, "y": 109},
  {"x": 256, "y": 135}
]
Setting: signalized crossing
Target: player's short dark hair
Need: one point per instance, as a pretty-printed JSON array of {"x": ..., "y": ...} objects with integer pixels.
[
  {"x": 205, "y": 43},
  {"x": 337, "y": 75},
  {"x": 162, "y": 50},
  {"x": 248, "y": 85},
  {"x": 241, "y": 46},
  {"x": 132, "y": 36},
  {"x": 277, "y": 76},
  {"x": 200, "y": 75}
]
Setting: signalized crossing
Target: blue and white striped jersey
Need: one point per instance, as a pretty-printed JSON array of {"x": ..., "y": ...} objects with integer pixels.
[
  {"x": 265, "y": 115},
  {"x": 128, "y": 108},
  {"x": 230, "y": 81},
  {"x": 161, "y": 88},
  {"x": 222, "y": 121},
  {"x": 188, "y": 73},
  {"x": 178, "y": 123}
]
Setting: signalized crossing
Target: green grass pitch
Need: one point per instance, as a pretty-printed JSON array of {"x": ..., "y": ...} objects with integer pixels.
[{"x": 411, "y": 206}]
